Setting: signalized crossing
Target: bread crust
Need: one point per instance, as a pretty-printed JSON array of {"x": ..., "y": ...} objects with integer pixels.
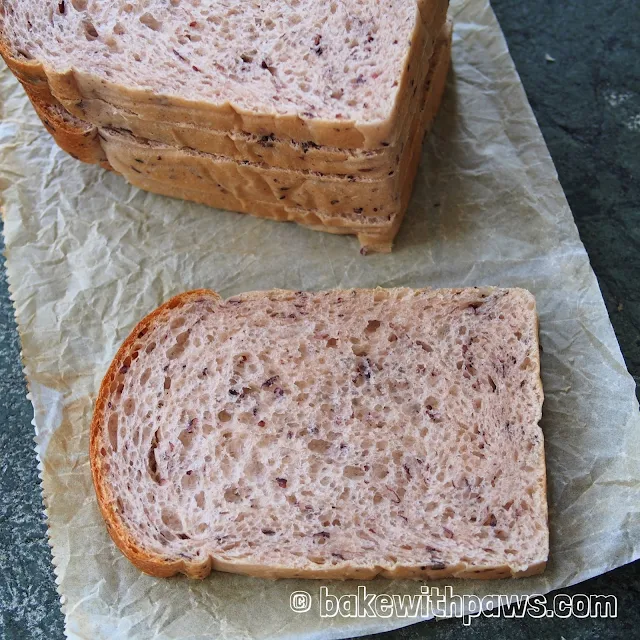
[
  {"x": 77, "y": 138},
  {"x": 82, "y": 141},
  {"x": 146, "y": 561},
  {"x": 71, "y": 87},
  {"x": 159, "y": 566}
]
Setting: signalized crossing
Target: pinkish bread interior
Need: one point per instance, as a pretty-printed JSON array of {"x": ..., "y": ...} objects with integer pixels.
[{"x": 344, "y": 433}]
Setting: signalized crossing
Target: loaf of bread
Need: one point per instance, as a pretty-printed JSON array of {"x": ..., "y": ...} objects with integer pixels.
[
  {"x": 142, "y": 160},
  {"x": 165, "y": 143},
  {"x": 339, "y": 434},
  {"x": 335, "y": 74},
  {"x": 363, "y": 212},
  {"x": 271, "y": 150}
]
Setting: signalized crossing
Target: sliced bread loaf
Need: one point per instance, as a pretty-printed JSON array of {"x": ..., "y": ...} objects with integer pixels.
[
  {"x": 297, "y": 70},
  {"x": 341, "y": 434},
  {"x": 269, "y": 149},
  {"x": 375, "y": 224},
  {"x": 242, "y": 147},
  {"x": 184, "y": 174}
]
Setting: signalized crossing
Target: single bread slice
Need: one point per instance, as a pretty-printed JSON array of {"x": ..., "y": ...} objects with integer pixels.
[
  {"x": 342, "y": 434},
  {"x": 336, "y": 74}
]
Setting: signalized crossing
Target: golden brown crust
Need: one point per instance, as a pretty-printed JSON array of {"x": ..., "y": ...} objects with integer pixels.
[
  {"x": 150, "y": 563},
  {"x": 30, "y": 73},
  {"x": 79, "y": 139},
  {"x": 372, "y": 238},
  {"x": 156, "y": 565}
]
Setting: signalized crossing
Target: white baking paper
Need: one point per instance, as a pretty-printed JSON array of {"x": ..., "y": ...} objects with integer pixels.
[{"x": 88, "y": 256}]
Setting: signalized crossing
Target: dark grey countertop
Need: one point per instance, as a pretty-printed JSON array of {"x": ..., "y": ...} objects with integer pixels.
[{"x": 587, "y": 102}]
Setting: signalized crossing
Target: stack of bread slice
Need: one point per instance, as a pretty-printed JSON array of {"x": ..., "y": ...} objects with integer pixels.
[{"x": 301, "y": 111}]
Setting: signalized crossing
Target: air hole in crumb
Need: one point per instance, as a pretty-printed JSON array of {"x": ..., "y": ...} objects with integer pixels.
[
  {"x": 150, "y": 21},
  {"x": 432, "y": 403},
  {"x": 232, "y": 495},
  {"x": 178, "y": 322},
  {"x": 189, "y": 480},
  {"x": 171, "y": 519},
  {"x": 372, "y": 326},
  {"x": 186, "y": 437},
  {"x": 319, "y": 446},
  {"x": 112, "y": 428},
  {"x": 176, "y": 351},
  {"x": 359, "y": 349},
  {"x": 90, "y": 31},
  {"x": 380, "y": 471},
  {"x": 224, "y": 416},
  {"x": 129, "y": 406},
  {"x": 526, "y": 363}
]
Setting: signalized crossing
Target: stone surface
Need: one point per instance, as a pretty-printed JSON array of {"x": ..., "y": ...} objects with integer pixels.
[
  {"x": 580, "y": 64},
  {"x": 29, "y": 604}
]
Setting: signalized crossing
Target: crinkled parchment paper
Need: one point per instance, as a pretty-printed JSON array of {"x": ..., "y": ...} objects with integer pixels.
[{"x": 88, "y": 256}]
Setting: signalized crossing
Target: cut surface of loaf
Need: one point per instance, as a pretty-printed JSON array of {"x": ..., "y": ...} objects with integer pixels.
[
  {"x": 300, "y": 66},
  {"x": 340, "y": 434}
]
